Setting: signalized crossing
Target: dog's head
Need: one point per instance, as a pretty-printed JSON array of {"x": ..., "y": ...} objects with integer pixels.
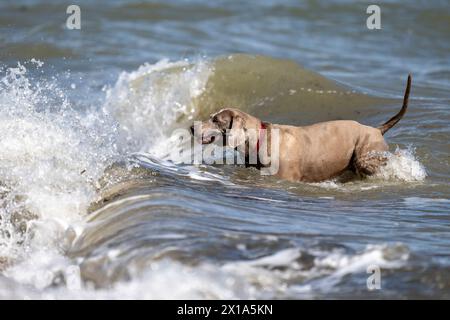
[{"x": 230, "y": 123}]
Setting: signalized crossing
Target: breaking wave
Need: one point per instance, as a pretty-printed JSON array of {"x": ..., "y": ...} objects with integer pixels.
[{"x": 56, "y": 159}]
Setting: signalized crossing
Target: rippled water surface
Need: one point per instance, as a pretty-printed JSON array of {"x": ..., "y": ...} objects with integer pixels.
[{"x": 91, "y": 205}]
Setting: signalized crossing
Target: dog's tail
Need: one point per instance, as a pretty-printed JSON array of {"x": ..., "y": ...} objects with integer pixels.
[{"x": 392, "y": 121}]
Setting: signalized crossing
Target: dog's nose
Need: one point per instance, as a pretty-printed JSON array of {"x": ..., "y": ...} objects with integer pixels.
[{"x": 192, "y": 129}]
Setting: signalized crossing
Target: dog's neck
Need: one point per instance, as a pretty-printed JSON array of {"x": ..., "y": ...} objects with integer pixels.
[
  {"x": 263, "y": 141},
  {"x": 262, "y": 130}
]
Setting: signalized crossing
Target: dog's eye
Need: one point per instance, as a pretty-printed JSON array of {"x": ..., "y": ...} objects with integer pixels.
[{"x": 214, "y": 119}]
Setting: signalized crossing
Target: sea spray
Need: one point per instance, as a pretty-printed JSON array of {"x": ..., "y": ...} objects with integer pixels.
[
  {"x": 402, "y": 165},
  {"x": 149, "y": 102},
  {"x": 51, "y": 157}
]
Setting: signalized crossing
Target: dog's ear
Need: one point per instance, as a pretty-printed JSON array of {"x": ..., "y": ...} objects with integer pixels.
[{"x": 236, "y": 134}]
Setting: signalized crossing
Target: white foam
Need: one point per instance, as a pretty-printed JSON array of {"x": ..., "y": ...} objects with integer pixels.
[
  {"x": 147, "y": 102},
  {"x": 402, "y": 165},
  {"x": 330, "y": 268},
  {"x": 275, "y": 275},
  {"x": 163, "y": 280},
  {"x": 417, "y": 200},
  {"x": 51, "y": 157}
]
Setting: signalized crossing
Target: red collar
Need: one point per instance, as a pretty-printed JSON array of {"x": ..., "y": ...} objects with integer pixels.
[{"x": 262, "y": 129}]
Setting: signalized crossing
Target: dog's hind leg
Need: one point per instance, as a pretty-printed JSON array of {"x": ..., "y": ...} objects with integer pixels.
[{"x": 369, "y": 163}]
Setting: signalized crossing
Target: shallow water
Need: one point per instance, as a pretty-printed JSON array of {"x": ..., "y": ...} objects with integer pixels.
[{"x": 92, "y": 206}]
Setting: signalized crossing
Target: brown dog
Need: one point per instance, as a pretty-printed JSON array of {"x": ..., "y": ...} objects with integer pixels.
[{"x": 312, "y": 153}]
